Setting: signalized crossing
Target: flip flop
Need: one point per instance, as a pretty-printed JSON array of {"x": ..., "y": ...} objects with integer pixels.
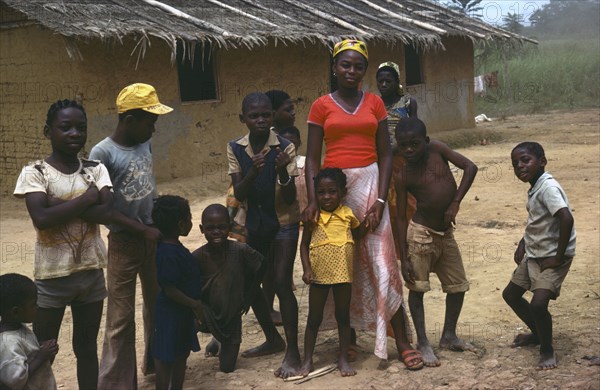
[{"x": 412, "y": 355}]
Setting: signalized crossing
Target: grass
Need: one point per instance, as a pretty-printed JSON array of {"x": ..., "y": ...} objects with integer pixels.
[{"x": 556, "y": 74}]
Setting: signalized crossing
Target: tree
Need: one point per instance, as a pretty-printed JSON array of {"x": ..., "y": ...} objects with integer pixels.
[
  {"x": 468, "y": 7},
  {"x": 513, "y": 22},
  {"x": 560, "y": 18}
]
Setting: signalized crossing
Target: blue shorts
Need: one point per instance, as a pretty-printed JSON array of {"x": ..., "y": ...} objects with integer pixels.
[{"x": 288, "y": 232}]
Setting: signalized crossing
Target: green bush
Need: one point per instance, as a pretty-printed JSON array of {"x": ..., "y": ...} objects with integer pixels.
[{"x": 556, "y": 74}]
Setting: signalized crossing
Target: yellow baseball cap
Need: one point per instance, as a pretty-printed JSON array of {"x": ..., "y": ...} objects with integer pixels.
[{"x": 140, "y": 96}]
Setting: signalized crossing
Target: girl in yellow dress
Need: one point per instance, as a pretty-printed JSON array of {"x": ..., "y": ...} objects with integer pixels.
[{"x": 326, "y": 251}]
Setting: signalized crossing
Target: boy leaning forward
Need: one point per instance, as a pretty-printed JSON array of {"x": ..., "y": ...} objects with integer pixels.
[
  {"x": 132, "y": 240},
  {"x": 427, "y": 242}
]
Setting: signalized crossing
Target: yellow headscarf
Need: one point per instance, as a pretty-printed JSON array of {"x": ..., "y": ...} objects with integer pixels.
[
  {"x": 351, "y": 44},
  {"x": 392, "y": 65}
]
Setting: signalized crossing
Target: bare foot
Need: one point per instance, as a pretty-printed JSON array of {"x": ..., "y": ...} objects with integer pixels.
[
  {"x": 276, "y": 318},
  {"x": 352, "y": 353},
  {"x": 593, "y": 360},
  {"x": 547, "y": 361},
  {"x": 212, "y": 348},
  {"x": 306, "y": 368},
  {"x": 266, "y": 348},
  {"x": 427, "y": 355},
  {"x": 457, "y": 345},
  {"x": 525, "y": 339},
  {"x": 344, "y": 367},
  {"x": 290, "y": 365}
]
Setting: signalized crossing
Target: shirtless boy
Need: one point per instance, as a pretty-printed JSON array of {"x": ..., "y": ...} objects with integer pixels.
[{"x": 427, "y": 242}]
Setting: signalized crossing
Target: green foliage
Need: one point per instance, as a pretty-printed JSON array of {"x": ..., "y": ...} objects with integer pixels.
[
  {"x": 469, "y": 7},
  {"x": 513, "y": 22},
  {"x": 561, "y": 18},
  {"x": 556, "y": 74},
  {"x": 562, "y": 72}
]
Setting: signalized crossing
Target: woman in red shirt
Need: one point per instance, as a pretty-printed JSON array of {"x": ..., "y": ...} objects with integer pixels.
[{"x": 353, "y": 125}]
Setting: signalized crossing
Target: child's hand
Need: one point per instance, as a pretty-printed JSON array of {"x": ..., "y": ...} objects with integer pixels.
[
  {"x": 307, "y": 276},
  {"x": 151, "y": 234},
  {"x": 408, "y": 273},
  {"x": 48, "y": 349},
  {"x": 282, "y": 160},
  {"x": 310, "y": 215},
  {"x": 258, "y": 161},
  {"x": 520, "y": 252},
  {"x": 450, "y": 214},
  {"x": 198, "y": 311},
  {"x": 550, "y": 262}
]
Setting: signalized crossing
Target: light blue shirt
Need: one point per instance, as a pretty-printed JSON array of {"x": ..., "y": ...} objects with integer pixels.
[
  {"x": 545, "y": 198},
  {"x": 130, "y": 170}
]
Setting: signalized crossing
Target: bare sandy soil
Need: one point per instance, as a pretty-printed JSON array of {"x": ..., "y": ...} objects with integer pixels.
[{"x": 490, "y": 223}]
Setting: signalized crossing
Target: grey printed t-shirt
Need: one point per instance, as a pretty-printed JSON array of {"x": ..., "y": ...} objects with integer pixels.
[{"x": 130, "y": 170}]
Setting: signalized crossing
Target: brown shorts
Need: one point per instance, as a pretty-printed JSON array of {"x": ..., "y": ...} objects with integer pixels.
[
  {"x": 433, "y": 251},
  {"x": 528, "y": 276}
]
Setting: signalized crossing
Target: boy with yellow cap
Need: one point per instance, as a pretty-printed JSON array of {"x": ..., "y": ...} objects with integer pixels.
[{"x": 132, "y": 240}]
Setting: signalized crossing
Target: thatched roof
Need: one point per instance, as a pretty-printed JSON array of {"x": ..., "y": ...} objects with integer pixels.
[{"x": 235, "y": 23}]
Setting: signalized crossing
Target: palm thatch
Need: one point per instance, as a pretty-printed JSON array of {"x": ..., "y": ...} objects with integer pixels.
[{"x": 250, "y": 23}]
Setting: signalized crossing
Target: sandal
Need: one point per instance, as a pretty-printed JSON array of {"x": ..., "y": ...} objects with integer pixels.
[{"x": 412, "y": 359}]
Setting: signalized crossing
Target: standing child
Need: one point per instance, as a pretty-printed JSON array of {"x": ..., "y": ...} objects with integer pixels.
[
  {"x": 131, "y": 241},
  {"x": 67, "y": 197},
  {"x": 292, "y": 134},
  {"x": 262, "y": 169},
  {"x": 178, "y": 276},
  {"x": 24, "y": 363},
  {"x": 231, "y": 274},
  {"x": 284, "y": 115},
  {"x": 544, "y": 254},
  {"x": 327, "y": 253},
  {"x": 427, "y": 244},
  {"x": 284, "y": 112}
]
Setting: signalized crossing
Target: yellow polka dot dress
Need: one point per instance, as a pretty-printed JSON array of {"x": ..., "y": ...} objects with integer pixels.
[{"x": 332, "y": 246}]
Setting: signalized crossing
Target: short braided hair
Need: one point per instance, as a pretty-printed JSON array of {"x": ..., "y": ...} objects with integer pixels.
[
  {"x": 532, "y": 147},
  {"x": 61, "y": 105},
  {"x": 277, "y": 98},
  {"x": 293, "y": 130},
  {"x": 255, "y": 98},
  {"x": 168, "y": 210},
  {"x": 336, "y": 174}
]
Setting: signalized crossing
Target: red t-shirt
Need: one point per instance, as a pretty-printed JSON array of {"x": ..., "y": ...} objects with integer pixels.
[{"x": 350, "y": 137}]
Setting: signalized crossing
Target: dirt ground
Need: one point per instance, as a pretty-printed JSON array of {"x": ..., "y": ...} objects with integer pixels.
[{"x": 490, "y": 223}]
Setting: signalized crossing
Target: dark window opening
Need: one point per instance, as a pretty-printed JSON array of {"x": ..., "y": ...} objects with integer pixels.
[
  {"x": 197, "y": 79},
  {"x": 412, "y": 64}
]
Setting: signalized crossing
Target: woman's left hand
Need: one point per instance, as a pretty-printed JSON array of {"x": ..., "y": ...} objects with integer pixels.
[{"x": 374, "y": 215}]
